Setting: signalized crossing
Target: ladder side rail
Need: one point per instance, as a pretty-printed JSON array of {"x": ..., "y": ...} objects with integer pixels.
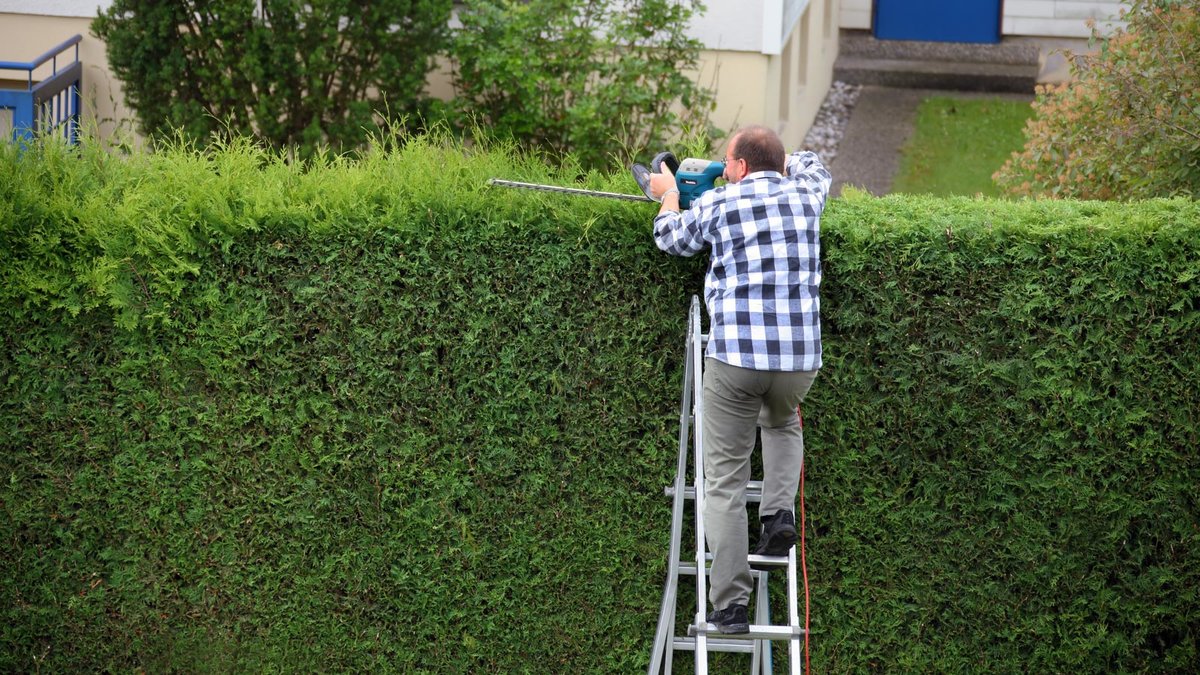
[
  {"x": 698, "y": 434},
  {"x": 660, "y": 656},
  {"x": 795, "y": 645},
  {"x": 761, "y": 661}
]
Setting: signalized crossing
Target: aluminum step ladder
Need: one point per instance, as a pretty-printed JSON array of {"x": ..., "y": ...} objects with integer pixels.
[{"x": 698, "y": 640}]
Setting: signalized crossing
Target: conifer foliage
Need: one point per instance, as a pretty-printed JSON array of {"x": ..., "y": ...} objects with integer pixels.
[{"x": 347, "y": 416}]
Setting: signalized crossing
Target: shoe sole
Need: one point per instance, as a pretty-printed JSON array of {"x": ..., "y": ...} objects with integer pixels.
[{"x": 779, "y": 543}]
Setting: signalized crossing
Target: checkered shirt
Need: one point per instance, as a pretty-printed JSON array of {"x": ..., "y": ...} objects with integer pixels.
[{"x": 761, "y": 289}]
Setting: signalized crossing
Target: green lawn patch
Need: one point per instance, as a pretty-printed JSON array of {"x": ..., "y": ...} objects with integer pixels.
[{"x": 957, "y": 144}]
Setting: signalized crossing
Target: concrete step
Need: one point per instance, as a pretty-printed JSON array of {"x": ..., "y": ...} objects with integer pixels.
[
  {"x": 1011, "y": 65},
  {"x": 1008, "y": 51},
  {"x": 935, "y": 74}
]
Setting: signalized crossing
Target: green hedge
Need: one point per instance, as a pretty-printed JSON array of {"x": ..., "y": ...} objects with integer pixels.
[{"x": 374, "y": 415}]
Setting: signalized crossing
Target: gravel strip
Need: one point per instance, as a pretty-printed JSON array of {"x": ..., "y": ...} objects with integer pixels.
[{"x": 827, "y": 129}]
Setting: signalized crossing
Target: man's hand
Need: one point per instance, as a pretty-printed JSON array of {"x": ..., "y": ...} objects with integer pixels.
[{"x": 664, "y": 189}]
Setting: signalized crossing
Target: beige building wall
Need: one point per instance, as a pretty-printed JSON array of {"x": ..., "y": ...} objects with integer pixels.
[
  {"x": 24, "y": 37},
  {"x": 780, "y": 90}
]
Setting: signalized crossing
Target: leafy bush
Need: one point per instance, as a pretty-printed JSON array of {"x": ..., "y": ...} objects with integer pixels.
[
  {"x": 595, "y": 79},
  {"x": 1127, "y": 127},
  {"x": 375, "y": 416},
  {"x": 301, "y": 74}
]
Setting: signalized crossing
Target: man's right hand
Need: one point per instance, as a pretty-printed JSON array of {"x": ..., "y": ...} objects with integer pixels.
[
  {"x": 664, "y": 188},
  {"x": 663, "y": 182}
]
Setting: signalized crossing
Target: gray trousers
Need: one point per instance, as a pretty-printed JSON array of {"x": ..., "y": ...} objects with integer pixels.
[{"x": 737, "y": 402}]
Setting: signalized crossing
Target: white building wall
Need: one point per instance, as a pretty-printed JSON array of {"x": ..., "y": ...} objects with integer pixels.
[
  {"x": 71, "y": 8},
  {"x": 1059, "y": 18},
  {"x": 730, "y": 25}
]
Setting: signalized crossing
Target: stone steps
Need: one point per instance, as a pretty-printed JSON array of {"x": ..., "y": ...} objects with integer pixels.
[{"x": 1010, "y": 66}]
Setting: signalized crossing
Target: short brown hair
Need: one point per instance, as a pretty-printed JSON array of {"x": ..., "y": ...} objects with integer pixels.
[{"x": 760, "y": 147}]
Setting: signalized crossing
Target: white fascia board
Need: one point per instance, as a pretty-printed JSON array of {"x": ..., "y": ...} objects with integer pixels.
[
  {"x": 730, "y": 25},
  {"x": 779, "y": 19},
  {"x": 72, "y": 8}
]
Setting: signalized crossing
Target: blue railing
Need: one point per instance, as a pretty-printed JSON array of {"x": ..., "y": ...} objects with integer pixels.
[{"x": 52, "y": 105}]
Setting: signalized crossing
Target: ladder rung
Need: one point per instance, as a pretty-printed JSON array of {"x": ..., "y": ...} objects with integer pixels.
[
  {"x": 756, "y": 632},
  {"x": 768, "y": 560},
  {"x": 753, "y": 491},
  {"x": 715, "y": 644},
  {"x": 689, "y": 568}
]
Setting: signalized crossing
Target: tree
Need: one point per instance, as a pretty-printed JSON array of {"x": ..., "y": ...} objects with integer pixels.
[
  {"x": 291, "y": 73},
  {"x": 1128, "y": 127},
  {"x": 597, "y": 78}
]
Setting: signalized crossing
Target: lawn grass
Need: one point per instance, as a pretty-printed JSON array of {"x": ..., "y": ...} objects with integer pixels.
[{"x": 957, "y": 144}]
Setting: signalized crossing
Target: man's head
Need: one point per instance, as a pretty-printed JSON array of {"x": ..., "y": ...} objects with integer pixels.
[{"x": 753, "y": 149}]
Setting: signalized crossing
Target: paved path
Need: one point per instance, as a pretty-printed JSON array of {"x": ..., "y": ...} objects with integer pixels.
[{"x": 882, "y": 120}]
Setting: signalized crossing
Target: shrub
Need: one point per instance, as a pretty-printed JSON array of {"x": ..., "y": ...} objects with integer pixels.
[
  {"x": 1127, "y": 127},
  {"x": 300, "y": 75},
  {"x": 374, "y": 416},
  {"x": 596, "y": 79}
]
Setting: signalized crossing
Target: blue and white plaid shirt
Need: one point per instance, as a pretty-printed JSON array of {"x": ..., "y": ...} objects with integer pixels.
[{"x": 761, "y": 289}]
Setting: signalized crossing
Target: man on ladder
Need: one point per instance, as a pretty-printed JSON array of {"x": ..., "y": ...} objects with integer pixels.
[{"x": 764, "y": 346}]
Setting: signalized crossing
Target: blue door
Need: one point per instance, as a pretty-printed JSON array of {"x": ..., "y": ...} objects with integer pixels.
[{"x": 938, "y": 20}]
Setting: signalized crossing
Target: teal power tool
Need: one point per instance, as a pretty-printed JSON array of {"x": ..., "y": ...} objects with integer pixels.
[{"x": 693, "y": 177}]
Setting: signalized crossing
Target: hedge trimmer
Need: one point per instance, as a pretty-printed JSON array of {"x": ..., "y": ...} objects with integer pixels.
[{"x": 693, "y": 177}]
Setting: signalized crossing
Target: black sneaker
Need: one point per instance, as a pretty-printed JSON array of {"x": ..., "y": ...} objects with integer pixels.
[
  {"x": 778, "y": 534},
  {"x": 731, "y": 620}
]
